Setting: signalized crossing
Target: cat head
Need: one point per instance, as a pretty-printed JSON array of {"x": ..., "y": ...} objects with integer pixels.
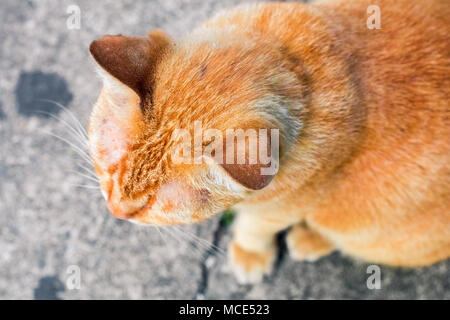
[{"x": 174, "y": 130}]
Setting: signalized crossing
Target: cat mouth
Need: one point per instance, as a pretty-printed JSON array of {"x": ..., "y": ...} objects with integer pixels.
[
  {"x": 146, "y": 217},
  {"x": 134, "y": 216},
  {"x": 124, "y": 215}
]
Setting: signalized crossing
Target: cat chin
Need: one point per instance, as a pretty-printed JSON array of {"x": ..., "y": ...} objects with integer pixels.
[
  {"x": 147, "y": 217},
  {"x": 156, "y": 223},
  {"x": 135, "y": 221}
]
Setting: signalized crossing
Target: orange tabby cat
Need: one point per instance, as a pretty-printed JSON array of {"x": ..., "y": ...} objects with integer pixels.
[{"x": 363, "y": 117}]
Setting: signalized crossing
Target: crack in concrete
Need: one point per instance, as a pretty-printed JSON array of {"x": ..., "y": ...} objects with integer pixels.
[
  {"x": 282, "y": 254},
  {"x": 210, "y": 253}
]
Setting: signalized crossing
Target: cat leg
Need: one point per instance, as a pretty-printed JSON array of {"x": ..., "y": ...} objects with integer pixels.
[
  {"x": 305, "y": 244},
  {"x": 253, "y": 251}
]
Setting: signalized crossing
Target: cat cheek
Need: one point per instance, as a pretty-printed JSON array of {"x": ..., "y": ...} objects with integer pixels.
[
  {"x": 177, "y": 195},
  {"x": 109, "y": 142}
]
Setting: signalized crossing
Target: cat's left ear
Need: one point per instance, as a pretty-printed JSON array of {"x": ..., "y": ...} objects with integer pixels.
[
  {"x": 252, "y": 162},
  {"x": 131, "y": 60}
]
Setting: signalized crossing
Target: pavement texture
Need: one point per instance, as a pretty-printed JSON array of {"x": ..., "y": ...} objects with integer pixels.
[{"x": 51, "y": 230}]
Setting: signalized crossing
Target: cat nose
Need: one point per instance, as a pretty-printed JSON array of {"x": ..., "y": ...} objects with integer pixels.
[{"x": 118, "y": 212}]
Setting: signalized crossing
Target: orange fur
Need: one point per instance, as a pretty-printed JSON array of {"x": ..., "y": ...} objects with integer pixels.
[{"x": 364, "y": 121}]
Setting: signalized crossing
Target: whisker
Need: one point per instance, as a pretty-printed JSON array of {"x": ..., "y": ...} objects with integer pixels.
[
  {"x": 145, "y": 231},
  {"x": 85, "y": 176},
  {"x": 206, "y": 244},
  {"x": 83, "y": 152},
  {"x": 56, "y": 103},
  {"x": 173, "y": 235},
  {"x": 80, "y": 152},
  {"x": 84, "y": 186},
  {"x": 87, "y": 170},
  {"x": 168, "y": 232},
  {"x": 173, "y": 232},
  {"x": 161, "y": 235},
  {"x": 76, "y": 134}
]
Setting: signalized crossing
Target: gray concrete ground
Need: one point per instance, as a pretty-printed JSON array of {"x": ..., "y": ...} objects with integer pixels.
[{"x": 48, "y": 225}]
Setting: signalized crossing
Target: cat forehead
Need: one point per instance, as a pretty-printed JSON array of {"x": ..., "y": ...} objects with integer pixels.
[{"x": 217, "y": 38}]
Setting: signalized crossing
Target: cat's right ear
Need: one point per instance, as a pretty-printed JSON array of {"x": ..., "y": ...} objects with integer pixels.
[{"x": 130, "y": 60}]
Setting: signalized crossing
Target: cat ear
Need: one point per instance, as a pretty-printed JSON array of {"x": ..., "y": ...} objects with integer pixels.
[
  {"x": 131, "y": 60},
  {"x": 252, "y": 164}
]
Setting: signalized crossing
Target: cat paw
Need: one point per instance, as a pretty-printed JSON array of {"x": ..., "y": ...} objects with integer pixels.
[
  {"x": 307, "y": 245},
  {"x": 250, "y": 267}
]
